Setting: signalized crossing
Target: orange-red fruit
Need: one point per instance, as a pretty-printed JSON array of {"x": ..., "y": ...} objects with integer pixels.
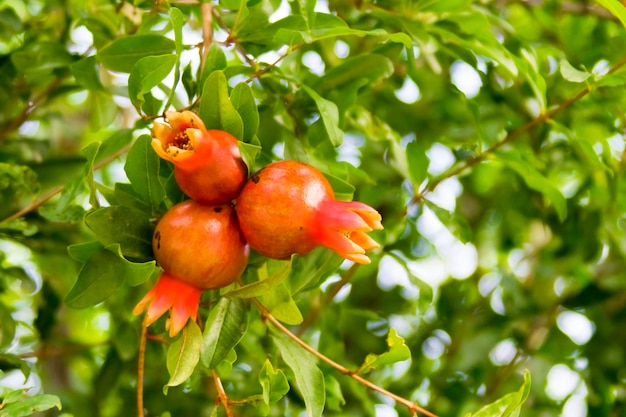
[
  {"x": 200, "y": 245},
  {"x": 288, "y": 207},
  {"x": 207, "y": 163}
]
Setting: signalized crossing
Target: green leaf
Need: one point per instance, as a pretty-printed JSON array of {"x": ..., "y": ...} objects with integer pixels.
[
  {"x": 243, "y": 101},
  {"x": 225, "y": 326},
  {"x": 178, "y": 20},
  {"x": 97, "y": 280},
  {"x": 147, "y": 73},
  {"x": 615, "y": 7},
  {"x": 102, "y": 109},
  {"x": 7, "y": 327},
  {"x": 216, "y": 110},
  {"x": 329, "y": 115},
  {"x": 398, "y": 351},
  {"x": 86, "y": 73},
  {"x": 417, "y": 161},
  {"x": 183, "y": 355},
  {"x": 129, "y": 227},
  {"x": 274, "y": 383},
  {"x": 311, "y": 270},
  {"x": 249, "y": 153},
  {"x": 215, "y": 61},
  {"x": 123, "y": 53},
  {"x": 572, "y": 74},
  {"x": 81, "y": 252},
  {"x": 282, "y": 306},
  {"x": 27, "y": 405},
  {"x": 142, "y": 169},
  {"x": 42, "y": 57},
  {"x": 262, "y": 286},
  {"x": 508, "y": 406},
  {"x": 535, "y": 181},
  {"x": 309, "y": 378}
]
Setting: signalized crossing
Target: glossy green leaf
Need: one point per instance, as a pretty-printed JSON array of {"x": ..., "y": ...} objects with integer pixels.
[
  {"x": 282, "y": 306},
  {"x": 81, "y": 252},
  {"x": 274, "y": 383},
  {"x": 129, "y": 227},
  {"x": 147, "y": 73},
  {"x": 123, "y": 53},
  {"x": 183, "y": 355},
  {"x": 216, "y": 110},
  {"x": 225, "y": 326},
  {"x": 398, "y": 351},
  {"x": 535, "y": 181},
  {"x": 508, "y": 406},
  {"x": 243, "y": 101},
  {"x": 262, "y": 286},
  {"x": 615, "y": 7},
  {"x": 215, "y": 61},
  {"x": 178, "y": 20},
  {"x": 27, "y": 405},
  {"x": 309, "y": 378},
  {"x": 142, "y": 169},
  {"x": 329, "y": 115}
]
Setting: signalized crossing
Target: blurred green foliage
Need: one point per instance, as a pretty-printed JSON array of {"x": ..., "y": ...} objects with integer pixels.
[{"x": 489, "y": 134}]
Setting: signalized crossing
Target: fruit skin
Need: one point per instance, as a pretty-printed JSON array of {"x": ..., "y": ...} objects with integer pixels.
[
  {"x": 200, "y": 245},
  {"x": 289, "y": 207},
  {"x": 207, "y": 163}
]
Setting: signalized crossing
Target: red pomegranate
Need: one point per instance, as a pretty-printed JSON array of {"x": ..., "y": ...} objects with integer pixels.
[
  {"x": 289, "y": 207},
  {"x": 199, "y": 247},
  {"x": 207, "y": 163}
]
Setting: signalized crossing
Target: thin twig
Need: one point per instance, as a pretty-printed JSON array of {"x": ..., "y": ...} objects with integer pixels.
[
  {"x": 140, "y": 368},
  {"x": 41, "y": 200},
  {"x": 430, "y": 187},
  {"x": 207, "y": 32},
  {"x": 268, "y": 67},
  {"x": 413, "y": 408},
  {"x": 62, "y": 351},
  {"x": 223, "y": 398},
  {"x": 29, "y": 108}
]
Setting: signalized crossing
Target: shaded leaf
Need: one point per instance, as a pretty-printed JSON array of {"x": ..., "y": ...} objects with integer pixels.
[
  {"x": 262, "y": 286},
  {"x": 329, "y": 115},
  {"x": 282, "y": 306},
  {"x": 26, "y": 405},
  {"x": 142, "y": 169},
  {"x": 309, "y": 378},
  {"x": 274, "y": 383},
  {"x": 183, "y": 355},
  {"x": 243, "y": 101},
  {"x": 123, "y": 53},
  {"x": 216, "y": 110},
  {"x": 147, "y": 73},
  {"x": 225, "y": 326},
  {"x": 509, "y": 405}
]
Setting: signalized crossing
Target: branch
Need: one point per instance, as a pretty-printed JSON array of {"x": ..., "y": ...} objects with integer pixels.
[
  {"x": 511, "y": 136},
  {"x": 413, "y": 408},
  {"x": 140, "y": 367},
  {"x": 41, "y": 200},
  {"x": 223, "y": 398},
  {"x": 207, "y": 32}
]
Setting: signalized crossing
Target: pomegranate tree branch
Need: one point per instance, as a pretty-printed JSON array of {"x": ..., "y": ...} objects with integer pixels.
[
  {"x": 413, "y": 408},
  {"x": 140, "y": 367},
  {"x": 223, "y": 398},
  {"x": 47, "y": 196},
  {"x": 207, "y": 32},
  {"x": 511, "y": 136}
]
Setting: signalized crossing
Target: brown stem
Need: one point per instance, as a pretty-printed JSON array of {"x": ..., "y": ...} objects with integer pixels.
[
  {"x": 53, "y": 353},
  {"x": 268, "y": 67},
  {"x": 511, "y": 136},
  {"x": 413, "y": 408},
  {"x": 41, "y": 200},
  {"x": 140, "y": 368},
  {"x": 207, "y": 32},
  {"x": 223, "y": 398}
]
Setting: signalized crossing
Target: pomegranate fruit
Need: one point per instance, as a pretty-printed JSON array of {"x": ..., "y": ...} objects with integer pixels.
[
  {"x": 207, "y": 163},
  {"x": 199, "y": 247},
  {"x": 289, "y": 207}
]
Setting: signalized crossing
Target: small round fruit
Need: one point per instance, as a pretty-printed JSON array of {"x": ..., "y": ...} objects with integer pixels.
[{"x": 200, "y": 245}]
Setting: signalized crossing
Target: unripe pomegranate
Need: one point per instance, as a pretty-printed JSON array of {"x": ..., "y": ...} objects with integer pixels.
[
  {"x": 199, "y": 247},
  {"x": 207, "y": 163},
  {"x": 289, "y": 207}
]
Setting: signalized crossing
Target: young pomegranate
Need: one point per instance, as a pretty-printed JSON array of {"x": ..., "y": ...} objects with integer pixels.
[
  {"x": 207, "y": 163},
  {"x": 289, "y": 207},
  {"x": 199, "y": 247}
]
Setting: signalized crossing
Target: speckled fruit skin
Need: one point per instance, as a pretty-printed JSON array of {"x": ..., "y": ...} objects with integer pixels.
[
  {"x": 276, "y": 207},
  {"x": 216, "y": 174},
  {"x": 200, "y": 245}
]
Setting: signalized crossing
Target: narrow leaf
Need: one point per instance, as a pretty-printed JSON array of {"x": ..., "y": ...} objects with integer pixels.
[
  {"x": 142, "y": 169},
  {"x": 329, "y": 115},
  {"x": 243, "y": 101},
  {"x": 97, "y": 280},
  {"x": 261, "y": 287},
  {"x": 225, "y": 326},
  {"x": 309, "y": 378},
  {"x": 216, "y": 110},
  {"x": 183, "y": 355},
  {"x": 616, "y": 8},
  {"x": 147, "y": 73},
  {"x": 509, "y": 405}
]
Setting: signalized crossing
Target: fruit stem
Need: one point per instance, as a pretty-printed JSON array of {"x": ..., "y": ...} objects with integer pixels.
[{"x": 140, "y": 367}]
